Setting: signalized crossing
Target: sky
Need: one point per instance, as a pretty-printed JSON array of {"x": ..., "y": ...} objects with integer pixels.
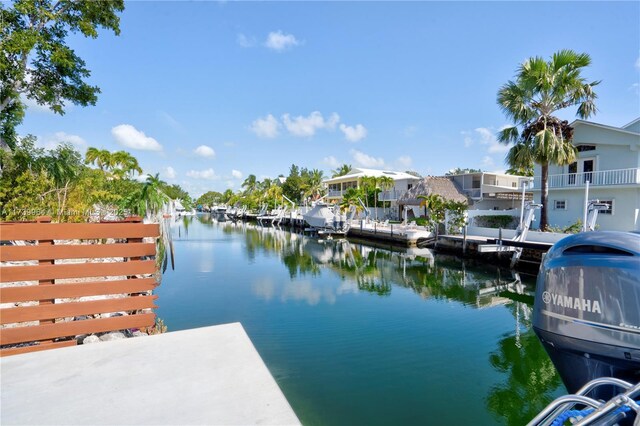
[{"x": 206, "y": 93}]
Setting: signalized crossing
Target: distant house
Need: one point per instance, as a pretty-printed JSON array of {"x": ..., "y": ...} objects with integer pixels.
[
  {"x": 337, "y": 186},
  {"x": 492, "y": 191},
  {"x": 609, "y": 159},
  {"x": 443, "y": 186}
]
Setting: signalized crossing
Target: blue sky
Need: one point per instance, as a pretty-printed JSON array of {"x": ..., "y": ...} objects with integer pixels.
[{"x": 206, "y": 92}]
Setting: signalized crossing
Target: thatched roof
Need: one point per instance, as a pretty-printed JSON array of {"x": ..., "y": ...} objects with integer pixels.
[{"x": 443, "y": 186}]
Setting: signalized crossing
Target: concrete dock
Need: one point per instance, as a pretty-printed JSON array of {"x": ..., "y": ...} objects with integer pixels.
[{"x": 210, "y": 375}]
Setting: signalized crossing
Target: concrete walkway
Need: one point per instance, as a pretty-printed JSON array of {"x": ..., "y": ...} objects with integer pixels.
[{"x": 210, "y": 375}]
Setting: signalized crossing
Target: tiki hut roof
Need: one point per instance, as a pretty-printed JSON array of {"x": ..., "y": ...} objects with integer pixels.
[{"x": 443, "y": 186}]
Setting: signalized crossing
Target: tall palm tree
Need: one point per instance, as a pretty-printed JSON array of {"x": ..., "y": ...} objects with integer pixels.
[
  {"x": 250, "y": 184},
  {"x": 541, "y": 89},
  {"x": 123, "y": 163},
  {"x": 342, "y": 170},
  {"x": 102, "y": 158},
  {"x": 315, "y": 187}
]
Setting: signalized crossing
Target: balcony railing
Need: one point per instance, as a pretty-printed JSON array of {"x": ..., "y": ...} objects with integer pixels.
[
  {"x": 473, "y": 193},
  {"x": 390, "y": 195},
  {"x": 599, "y": 178}
]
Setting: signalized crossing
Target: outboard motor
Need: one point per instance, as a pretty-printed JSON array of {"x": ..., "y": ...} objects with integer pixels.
[{"x": 587, "y": 307}]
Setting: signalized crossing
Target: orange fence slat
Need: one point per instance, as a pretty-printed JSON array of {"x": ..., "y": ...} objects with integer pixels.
[
  {"x": 37, "y": 348},
  {"x": 72, "y": 231},
  {"x": 75, "y": 251},
  {"x": 35, "y": 333},
  {"x": 72, "y": 309},
  {"x": 63, "y": 291},
  {"x": 76, "y": 270}
]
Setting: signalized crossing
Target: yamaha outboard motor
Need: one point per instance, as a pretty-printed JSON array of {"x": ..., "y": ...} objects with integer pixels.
[{"x": 587, "y": 307}]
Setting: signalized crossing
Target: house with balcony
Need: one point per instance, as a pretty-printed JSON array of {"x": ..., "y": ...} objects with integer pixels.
[
  {"x": 337, "y": 186},
  {"x": 609, "y": 160},
  {"x": 492, "y": 191}
]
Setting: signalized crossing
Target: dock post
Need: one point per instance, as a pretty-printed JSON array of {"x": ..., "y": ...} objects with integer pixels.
[
  {"x": 464, "y": 240},
  {"x": 392, "y": 230},
  {"x": 375, "y": 228}
]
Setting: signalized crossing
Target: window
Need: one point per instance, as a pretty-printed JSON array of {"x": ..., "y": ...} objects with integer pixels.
[
  {"x": 559, "y": 204},
  {"x": 514, "y": 184},
  {"x": 610, "y": 209},
  {"x": 583, "y": 148},
  {"x": 409, "y": 185}
]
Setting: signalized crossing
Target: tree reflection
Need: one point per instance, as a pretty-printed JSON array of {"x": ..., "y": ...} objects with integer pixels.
[{"x": 531, "y": 380}]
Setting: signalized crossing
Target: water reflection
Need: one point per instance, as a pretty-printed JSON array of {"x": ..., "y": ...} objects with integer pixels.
[{"x": 324, "y": 273}]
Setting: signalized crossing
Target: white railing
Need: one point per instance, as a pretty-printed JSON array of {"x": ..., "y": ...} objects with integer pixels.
[
  {"x": 390, "y": 195},
  {"x": 473, "y": 193},
  {"x": 334, "y": 193},
  {"x": 599, "y": 178}
]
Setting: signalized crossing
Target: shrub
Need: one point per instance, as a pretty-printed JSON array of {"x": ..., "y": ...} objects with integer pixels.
[{"x": 497, "y": 221}]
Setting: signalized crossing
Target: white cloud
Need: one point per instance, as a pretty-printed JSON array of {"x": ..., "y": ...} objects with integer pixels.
[
  {"x": 365, "y": 160},
  {"x": 171, "y": 122},
  {"x": 404, "y": 162},
  {"x": 266, "y": 127},
  {"x": 205, "y": 151},
  {"x": 34, "y": 106},
  {"x": 355, "y": 133},
  {"x": 487, "y": 162},
  {"x": 244, "y": 41},
  {"x": 61, "y": 137},
  {"x": 169, "y": 173},
  {"x": 487, "y": 138},
  {"x": 279, "y": 41},
  {"x": 638, "y": 63},
  {"x": 307, "y": 126},
  {"x": 207, "y": 174},
  {"x": 635, "y": 87},
  {"x": 236, "y": 174},
  {"x": 410, "y": 131},
  {"x": 468, "y": 141},
  {"x": 331, "y": 161},
  {"x": 132, "y": 138}
]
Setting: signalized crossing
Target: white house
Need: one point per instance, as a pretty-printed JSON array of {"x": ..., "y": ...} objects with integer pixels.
[
  {"x": 492, "y": 191},
  {"x": 609, "y": 159},
  {"x": 402, "y": 182}
]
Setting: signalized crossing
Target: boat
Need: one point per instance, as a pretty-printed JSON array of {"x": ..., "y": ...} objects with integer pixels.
[
  {"x": 326, "y": 219},
  {"x": 587, "y": 308}
]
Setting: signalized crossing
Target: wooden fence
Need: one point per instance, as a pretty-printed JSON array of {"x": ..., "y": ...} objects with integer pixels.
[{"x": 70, "y": 263}]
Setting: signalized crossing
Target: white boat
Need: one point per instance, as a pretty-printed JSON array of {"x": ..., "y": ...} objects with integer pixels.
[{"x": 327, "y": 218}]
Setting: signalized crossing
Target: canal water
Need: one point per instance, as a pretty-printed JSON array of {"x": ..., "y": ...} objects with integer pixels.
[{"x": 361, "y": 335}]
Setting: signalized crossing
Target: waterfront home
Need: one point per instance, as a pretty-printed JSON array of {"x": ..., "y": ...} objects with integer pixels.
[
  {"x": 444, "y": 186},
  {"x": 402, "y": 182},
  {"x": 609, "y": 159},
  {"x": 492, "y": 191}
]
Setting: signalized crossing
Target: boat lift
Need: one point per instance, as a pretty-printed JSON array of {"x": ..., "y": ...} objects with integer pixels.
[
  {"x": 526, "y": 218},
  {"x": 620, "y": 407}
]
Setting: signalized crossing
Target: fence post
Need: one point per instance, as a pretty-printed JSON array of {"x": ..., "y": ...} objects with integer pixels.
[
  {"x": 133, "y": 219},
  {"x": 46, "y": 219}
]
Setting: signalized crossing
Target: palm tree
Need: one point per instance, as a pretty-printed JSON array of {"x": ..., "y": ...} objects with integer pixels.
[
  {"x": 345, "y": 169},
  {"x": 123, "y": 163},
  {"x": 315, "y": 187},
  {"x": 63, "y": 165},
  {"x": 102, "y": 158},
  {"x": 250, "y": 184},
  {"x": 540, "y": 90},
  {"x": 386, "y": 183}
]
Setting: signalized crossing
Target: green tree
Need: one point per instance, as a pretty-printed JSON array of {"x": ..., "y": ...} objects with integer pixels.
[
  {"x": 63, "y": 165},
  {"x": 345, "y": 169},
  {"x": 461, "y": 171},
  {"x": 250, "y": 184},
  {"x": 101, "y": 158},
  {"x": 37, "y": 63},
  {"x": 124, "y": 164},
  {"x": 541, "y": 89},
  {"x": 209, "y": 198}
]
